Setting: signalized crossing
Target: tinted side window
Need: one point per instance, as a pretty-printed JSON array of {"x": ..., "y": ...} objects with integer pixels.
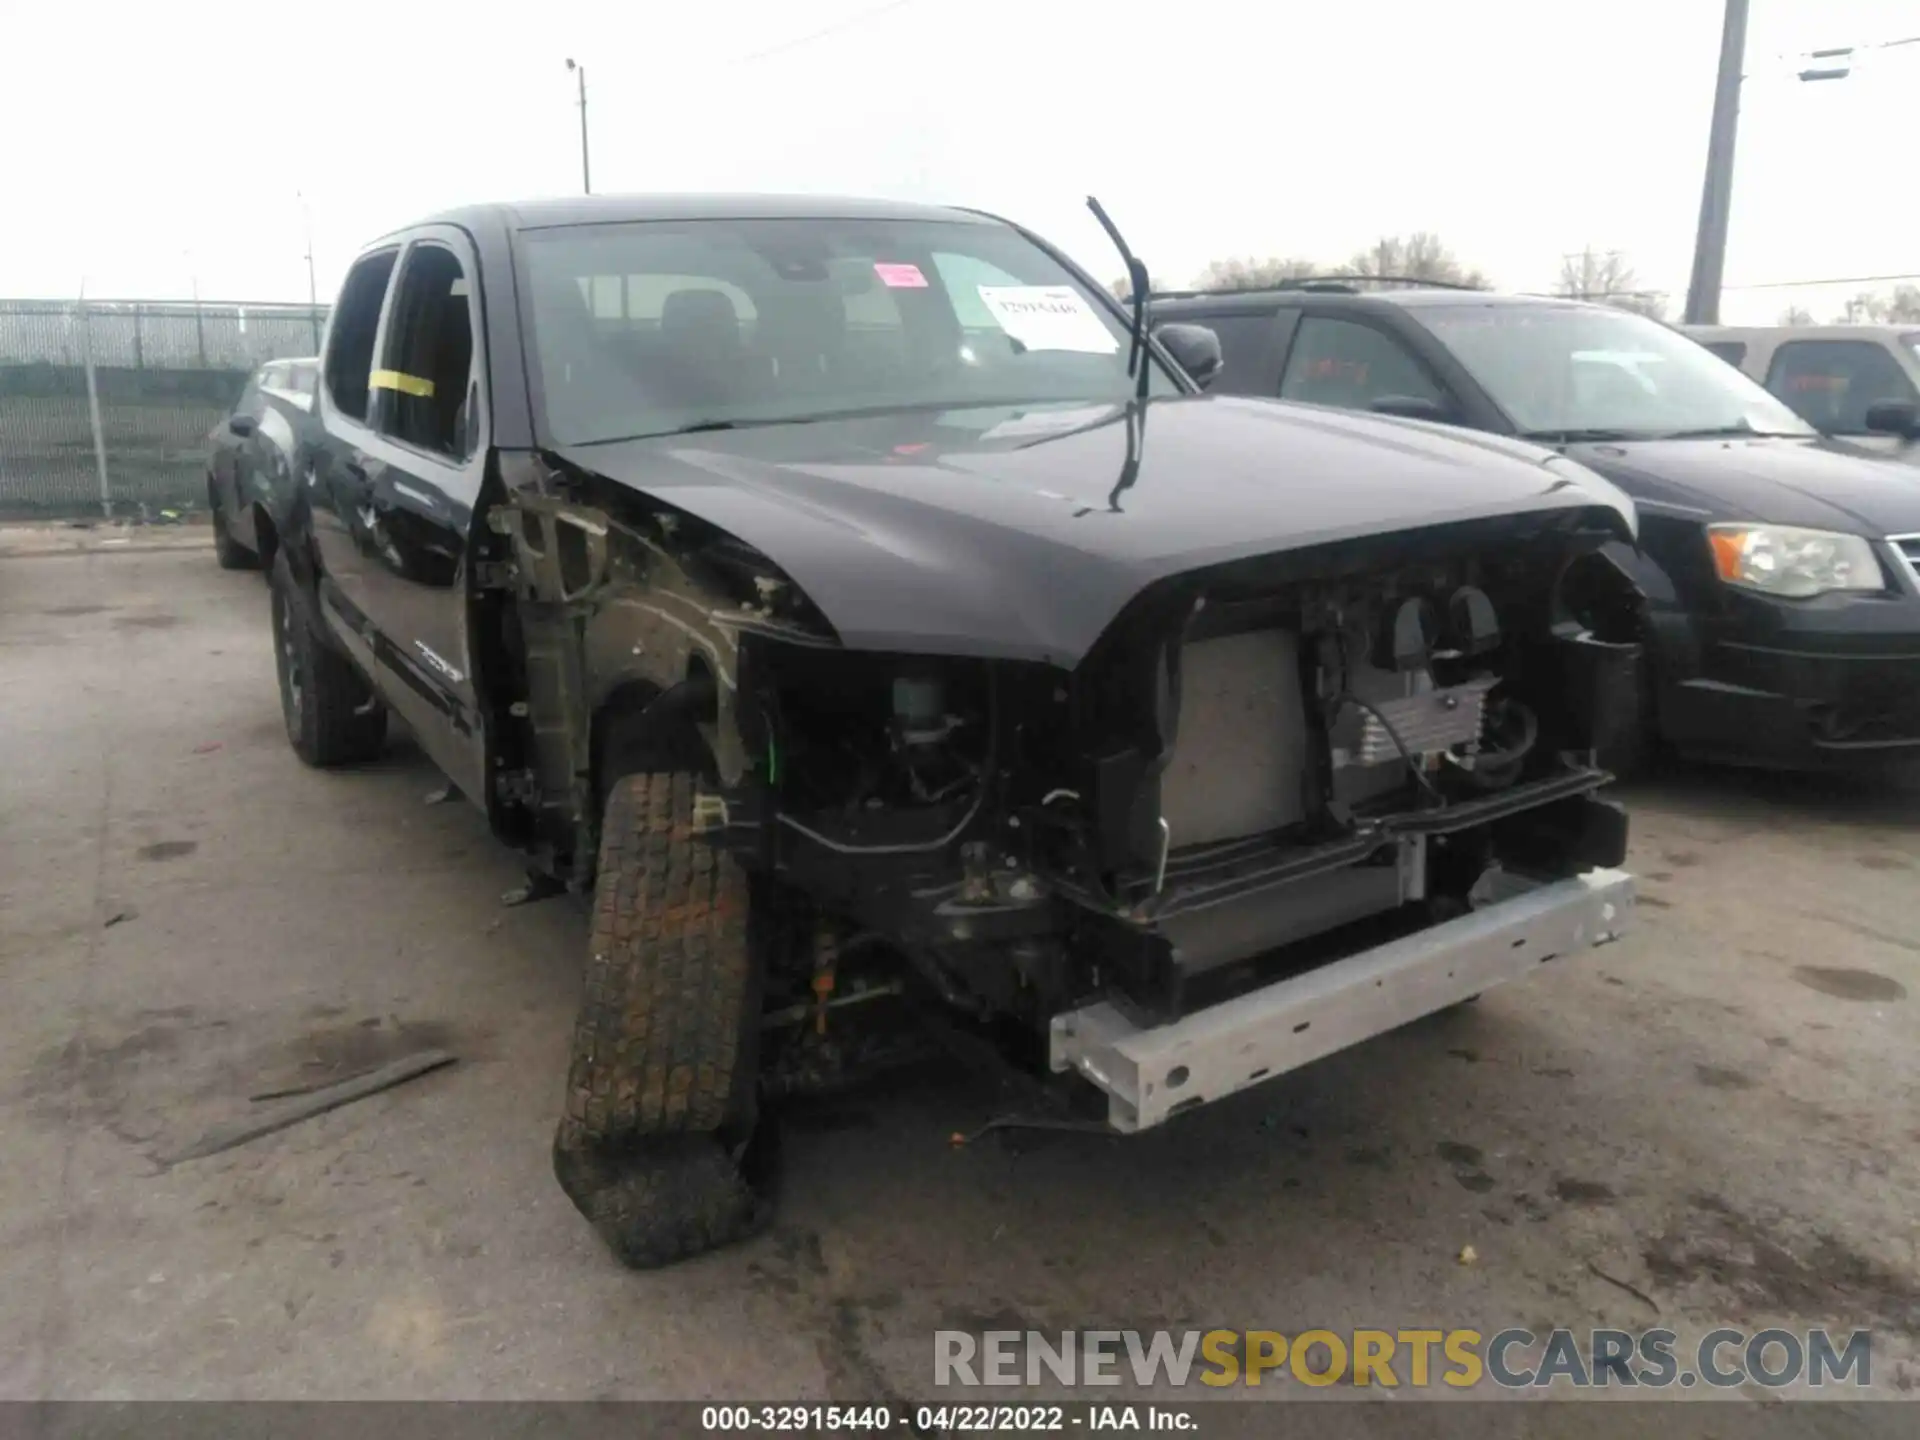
[
  {"x": 1832, "y": 382},
  {"x": 429, "y": 355},
  {"x": 356, "y": 319},
  {"x": 1734, "y": 352},
  {"x": 1339, "y": 362},
  {"x": 1243, "y": 348}
]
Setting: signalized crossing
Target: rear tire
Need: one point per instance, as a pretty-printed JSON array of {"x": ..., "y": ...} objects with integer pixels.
[
  {"x": 661, "y": 1146},
  {"x": 331, "y": 713},
  {"x": 228, "y": 552}
]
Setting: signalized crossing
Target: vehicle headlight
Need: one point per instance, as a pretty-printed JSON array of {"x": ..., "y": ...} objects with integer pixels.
[{"x": 1793, "y": 563}]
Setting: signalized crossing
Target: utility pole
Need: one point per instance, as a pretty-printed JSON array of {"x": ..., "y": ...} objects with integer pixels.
[
  {"x": 313, "y": 294},
  {"x": 586, "y": 175},
  {"x": 1716, "y": 193},
  {"x": 199, "y": 319}
]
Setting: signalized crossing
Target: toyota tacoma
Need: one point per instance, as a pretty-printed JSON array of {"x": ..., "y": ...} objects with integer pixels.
[{"x": 878, "y": 622}]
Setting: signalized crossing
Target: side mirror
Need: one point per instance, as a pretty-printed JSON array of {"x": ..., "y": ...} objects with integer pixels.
[
  {"x": 1894, "y": 417},
  {"x": 242, "y": 424},
  {"x": 1195, "y": 349},
  {"x": 1411, "y": 407}
]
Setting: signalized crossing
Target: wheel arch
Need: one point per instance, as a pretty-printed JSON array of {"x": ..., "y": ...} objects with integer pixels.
[{"x": 642, "y": 726}]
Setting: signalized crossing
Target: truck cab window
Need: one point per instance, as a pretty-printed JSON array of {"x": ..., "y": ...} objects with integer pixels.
[
  {"x": 428, "y": 368},
  {"x": 356, "y": 320},
  {"x": 1338, "y": 362}
]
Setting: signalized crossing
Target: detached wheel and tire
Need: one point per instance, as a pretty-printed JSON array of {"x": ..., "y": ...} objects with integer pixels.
[
  {"x": 661, "y": 1147},
  {"x": 332, "y": 715},
  {"x": 228, "y": 552}
]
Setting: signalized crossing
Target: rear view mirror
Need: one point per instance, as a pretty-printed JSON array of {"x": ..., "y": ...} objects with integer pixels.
[
  {"x": 1195, "y": 349},
  {"x": 242, "y": 424},
  {"x": 1410, "y": 407},
  {"x": 1894, "y": 417}
]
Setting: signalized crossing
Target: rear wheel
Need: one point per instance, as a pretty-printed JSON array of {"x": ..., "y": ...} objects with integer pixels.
[
  {"x": 228, "y": 552},
  {"x": 331, "y": 713},
  {"x": 662, "y": 1148}
]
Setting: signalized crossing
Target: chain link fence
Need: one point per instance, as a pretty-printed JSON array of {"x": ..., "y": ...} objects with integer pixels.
[{"x": 106, "y": 407}]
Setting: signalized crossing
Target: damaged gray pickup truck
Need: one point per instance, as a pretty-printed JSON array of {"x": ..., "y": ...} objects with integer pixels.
[{"x": 881, "y": 627}]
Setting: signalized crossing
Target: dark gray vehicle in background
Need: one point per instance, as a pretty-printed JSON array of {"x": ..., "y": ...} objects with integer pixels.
[
  {"x": 881, "y": 628},
  {"x": 251, "y": 456}
]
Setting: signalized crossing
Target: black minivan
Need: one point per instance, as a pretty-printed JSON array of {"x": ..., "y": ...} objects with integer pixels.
[{"x": 1776, "y": 587}]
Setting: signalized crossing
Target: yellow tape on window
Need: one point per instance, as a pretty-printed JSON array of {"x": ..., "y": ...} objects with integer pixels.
[{"x": 405, "y": 384}]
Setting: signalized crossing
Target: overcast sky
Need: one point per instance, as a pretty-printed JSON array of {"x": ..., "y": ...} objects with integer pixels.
[{"x": 149, "y": 146}]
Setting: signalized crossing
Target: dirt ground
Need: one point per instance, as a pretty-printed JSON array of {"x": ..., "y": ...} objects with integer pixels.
[{"x": 1713, "y": 1122}]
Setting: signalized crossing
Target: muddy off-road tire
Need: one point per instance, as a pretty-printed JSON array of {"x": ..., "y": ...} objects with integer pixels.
[
  {"x": 228, "y": 552},
  {"x": 332, "y": 716},
  {"x": 661, "y": 1146}
]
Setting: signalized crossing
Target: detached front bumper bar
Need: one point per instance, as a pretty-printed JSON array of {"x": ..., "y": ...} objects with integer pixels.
[{"x": 1151, "y": 1074}]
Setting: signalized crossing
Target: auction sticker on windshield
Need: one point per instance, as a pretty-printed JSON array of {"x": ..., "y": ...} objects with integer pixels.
[{"x": 1048, "y": 317}]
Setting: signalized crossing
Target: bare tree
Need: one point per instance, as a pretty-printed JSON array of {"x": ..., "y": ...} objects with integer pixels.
[
  {"x": 1865, "y": 308},
  {"x": 1122, "y": 289},
  {"x": 1251, "y": 273},
  {"x": 1418, "y": 256},
  {"x": 1608, "y": 277},
  {"x": 1797, "y": 315},
  {"x": 1901, "y": 306}
]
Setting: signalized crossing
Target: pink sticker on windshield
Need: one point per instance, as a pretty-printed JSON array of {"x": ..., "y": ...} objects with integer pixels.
[{"x": 900, "y": 277}]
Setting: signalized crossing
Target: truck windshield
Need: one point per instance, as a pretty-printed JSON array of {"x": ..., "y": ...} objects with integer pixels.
[
  {"x": 1573, "y": 372},
  {"x": 657, "y": 327}
]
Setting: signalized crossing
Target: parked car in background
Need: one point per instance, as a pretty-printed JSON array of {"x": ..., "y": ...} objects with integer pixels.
[
  {"x": 875, "y": 620},
  {"x": 250, "y": 464},
  {"x": 1774, "y": 587},
  {"x": 1857, "y": 382}
]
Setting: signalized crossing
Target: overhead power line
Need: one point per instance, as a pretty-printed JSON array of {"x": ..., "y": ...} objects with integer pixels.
[
  {"x": 824, "y": 31},
  {"x": 1833, "y": 280}
]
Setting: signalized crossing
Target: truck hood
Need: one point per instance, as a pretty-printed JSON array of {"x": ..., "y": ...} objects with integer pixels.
[
  {"x": 1817, "y": 483},
  {"x": 1021, "y": 533}
]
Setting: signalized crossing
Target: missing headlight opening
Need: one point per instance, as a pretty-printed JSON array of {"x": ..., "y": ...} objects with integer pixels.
[{"x": 1255, "y": 769}]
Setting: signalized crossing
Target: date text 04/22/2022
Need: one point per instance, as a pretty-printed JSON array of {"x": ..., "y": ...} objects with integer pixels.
[{"x": 944, "y": 1419}]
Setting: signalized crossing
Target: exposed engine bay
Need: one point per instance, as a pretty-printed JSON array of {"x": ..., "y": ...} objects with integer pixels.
[
  {"x": 1277, "y": 768},
  {"x": 1259, "y": 768}
]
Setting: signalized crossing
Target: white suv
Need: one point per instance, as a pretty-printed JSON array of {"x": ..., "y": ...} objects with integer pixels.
[{"x": 1833, "y": 375}]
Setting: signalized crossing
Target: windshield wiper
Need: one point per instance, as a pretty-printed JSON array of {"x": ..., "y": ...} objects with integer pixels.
[
  {"x": 1578, "y": 436},
  {"x": 1138, "y": 282},
  {"x": 851, "y": 412},
  {"x": 1742, "y": 431},
  {"x": 695, "y": 427}
]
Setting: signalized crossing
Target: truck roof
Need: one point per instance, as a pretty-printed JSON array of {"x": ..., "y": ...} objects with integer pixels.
[{"x": 613, "y": 209}]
